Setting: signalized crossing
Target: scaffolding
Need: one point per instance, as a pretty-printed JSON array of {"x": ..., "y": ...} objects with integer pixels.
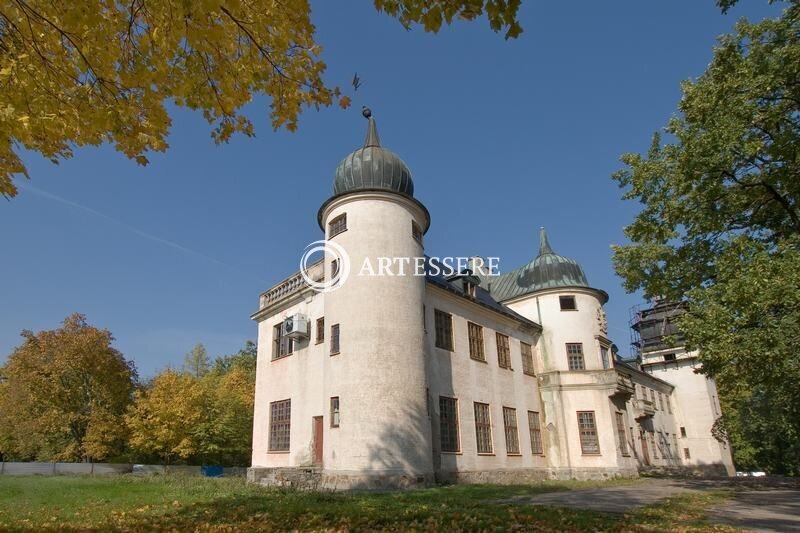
[{"x": 653, "y": 326}]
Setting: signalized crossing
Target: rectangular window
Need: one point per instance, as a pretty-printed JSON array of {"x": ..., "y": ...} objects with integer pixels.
[
  {"x": 686, "y": 454},
  {"x": 527, "y": 358},
  {"x": 567, "y": 303},
  {"x": 337, "y": 225},
  {"x": 334, "y": 339},
  {"x": 280, "y": 414},
  {"x": 448, "y": 424},
  {"x": 512, "y": 431},
  {"x": 575, "y": 356},
  {"x": 669, "y": 405},
  {"x": 320, "y": 330},
  {"x": 483, "y": 428},
  {"x": 590, "y": 445},
  {"x": 683, "y": 432},
  {"x": 444, "y": 330},
  {"x": 623, "y": 439},
  {"x": 669, "y": 357},
  {"x": 335, "y": 412},
  {"x": 536, "y": 433},
  {"x": 282, "y": 345},
  {"x": 416, "y": 232},
  {"x": 604, "y": 357},
  {"x": 503, "y": 351},
  {"x": 476, "y": 342}
]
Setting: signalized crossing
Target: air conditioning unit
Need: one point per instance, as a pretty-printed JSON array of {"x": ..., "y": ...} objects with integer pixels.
[{"x": 296, "y": 326}]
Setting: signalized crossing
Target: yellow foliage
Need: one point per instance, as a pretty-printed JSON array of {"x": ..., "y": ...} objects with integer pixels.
[{"x": 85, "y": 72}]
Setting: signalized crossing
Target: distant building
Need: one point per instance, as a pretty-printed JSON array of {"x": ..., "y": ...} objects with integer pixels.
[{"x": 398, "y": 381}]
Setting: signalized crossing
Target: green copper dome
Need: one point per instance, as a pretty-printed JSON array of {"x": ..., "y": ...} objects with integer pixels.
[
  {"x": 550, "y": 270},
  {"x": 372, "y": 167}
]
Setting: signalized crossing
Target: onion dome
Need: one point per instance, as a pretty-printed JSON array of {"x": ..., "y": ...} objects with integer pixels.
[
  {"x": 551, "y": 270},
  {"x": 372, "y": 167}
]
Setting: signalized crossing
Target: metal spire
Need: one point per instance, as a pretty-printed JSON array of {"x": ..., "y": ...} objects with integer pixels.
[
  {"x": 372, "y": 130},
  {"x": 544, "y": 243}
]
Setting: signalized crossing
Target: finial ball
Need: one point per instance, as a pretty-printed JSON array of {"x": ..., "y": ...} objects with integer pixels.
[{"x": 366, "y": 111}]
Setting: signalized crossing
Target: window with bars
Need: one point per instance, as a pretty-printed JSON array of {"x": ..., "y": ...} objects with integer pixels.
[
  {"x": 575, "y": 356},
  {"x": 282, "y": 345},
  {"x": 511, "y": 430},
  {"x": 483, "y": 428},
  {"x": 536, "y": 433},
  {"x": 280, "y": 414},
  {"x": 623, "y": 439},
  {"x": 448, "y": 424},
  {"x": 590, "y": 444},
  {"x": 444, "y": 330},
  {"x": 527, "y": 358},
  {"x": 567, "y": 303},
  {"x": 337, "y": 225},
  {"x": 320, "y": 330},
  {"x": 476, "y": 341},
  {"x": 416, "y": 232},
  {"x": 503, "y": 351},
  {"x": 334, "y": 339},
  {"x": 335, "y": 412}
]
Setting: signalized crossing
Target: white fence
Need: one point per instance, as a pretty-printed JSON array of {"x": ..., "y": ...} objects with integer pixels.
[{"x": 53, "y": 469}]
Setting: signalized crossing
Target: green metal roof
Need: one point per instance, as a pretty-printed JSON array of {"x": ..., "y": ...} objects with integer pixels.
[
  {"x": 547, "y": 271},
  {"x": 372, "y": 167}
]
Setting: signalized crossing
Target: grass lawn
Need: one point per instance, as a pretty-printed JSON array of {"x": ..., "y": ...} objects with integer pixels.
[{"x": 136, "y": 503}]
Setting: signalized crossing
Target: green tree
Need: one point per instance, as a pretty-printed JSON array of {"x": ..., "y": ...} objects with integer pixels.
[
  {"x": 244, "y": 359},
  {"x": 78, "y": 74},
  {"x": 720, "y": 225},
  {"x": 196, "y": 363},
  {"x": 64, "y": 393}
]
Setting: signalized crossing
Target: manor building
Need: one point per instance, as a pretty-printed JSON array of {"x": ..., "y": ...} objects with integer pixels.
[{"x": 404, "y": 380}]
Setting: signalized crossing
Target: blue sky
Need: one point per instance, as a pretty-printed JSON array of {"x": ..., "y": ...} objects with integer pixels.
[{"x": 501, "y": 136}]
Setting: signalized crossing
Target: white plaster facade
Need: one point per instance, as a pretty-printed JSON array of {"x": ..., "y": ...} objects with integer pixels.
[{"x": 388, "y": 374}]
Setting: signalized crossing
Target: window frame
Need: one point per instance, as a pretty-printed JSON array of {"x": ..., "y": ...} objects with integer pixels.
[
  {"x": 528, "y": 367},
  {"x": 335, "y": 339},
  {"x": 485, "y": 425},
  {"x": 511, "y": 430},
  {"x": 567, "y": 298},
  {"x": 280, "y": 428},
  {"x": 535, "y": 430},
  {"x": 320, "y": 330},
  {"x": 337, "y": 225},
  {"x": 621, "y": 434},
  {"x": 453, "y": 429},
  {"x": 503, "y": 350},
  {"x": 476, "y": 342},
  {"x": 278, "y": 339},
  {"x": 588, "y": 436},
  {"x": 336, "y": 412},
  {"x": 573, "y": 356},
  {"x": 443, "y": 325},
  {"x": 605, "y": 360}
]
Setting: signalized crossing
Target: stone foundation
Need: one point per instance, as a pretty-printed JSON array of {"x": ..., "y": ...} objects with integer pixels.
[
  {"x": 317, "y": 479},
  {"x": 709, "y": 470},
  {"x": 533, "y": 475}
]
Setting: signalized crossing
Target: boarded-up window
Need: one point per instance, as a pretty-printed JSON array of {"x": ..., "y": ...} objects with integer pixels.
[
  {"x": 476, "y": 342},
  {"x": 282, "y": 345},
  {"x": 536, "y": 433},
  {"x": 511, "y": 429},
  {"x": 483, "y": 428},
  {"x": 320, "y": 330},
  {"x": 590, "y": 445},
  {"x": 527, "y": 358},
  {"x": 575, "y": 356},
  {"x": 335, "y": 412},
  {"x": 623, "y": 440},
  {"x": 503, "y": 351},
  {"x": 448, "y": 424},
  {"x": 444, "y": 330},
  {"x": 337, "y": 225},
  {"x": 334, "y": 339},
  {"x": 280, "y": 414}
]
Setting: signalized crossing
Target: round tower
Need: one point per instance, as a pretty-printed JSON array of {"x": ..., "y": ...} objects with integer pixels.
[{"x": 377, "y": 372}]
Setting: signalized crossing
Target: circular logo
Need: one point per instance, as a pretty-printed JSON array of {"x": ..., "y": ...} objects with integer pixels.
[{"x": 312, "y": 269}]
